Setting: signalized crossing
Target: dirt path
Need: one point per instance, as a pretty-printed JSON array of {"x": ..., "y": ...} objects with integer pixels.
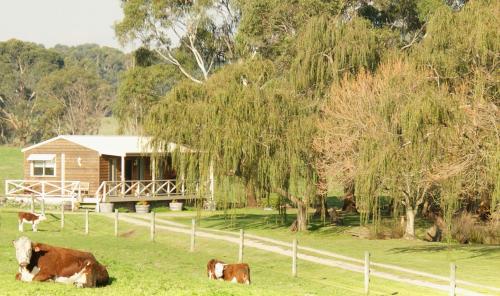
[{"x": 275, "y": 246}]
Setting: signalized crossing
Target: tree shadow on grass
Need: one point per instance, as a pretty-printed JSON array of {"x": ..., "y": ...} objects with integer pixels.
[
  {"x": 475, "y": 250},
  {"x": 272, "y": 221},
  {"x": 249, "y": 221}
]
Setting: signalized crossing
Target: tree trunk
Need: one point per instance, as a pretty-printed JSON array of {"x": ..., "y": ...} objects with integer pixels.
[
  {"x": 300, "y": 224},
  {"x": 250, "y": 194},
  {"x": 349, "y": 204},
  {"x": 410, "y": 223},
  {"x": 302, "y": 217}
]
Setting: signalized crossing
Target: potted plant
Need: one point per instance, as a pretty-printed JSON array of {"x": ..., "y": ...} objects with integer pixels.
[
  {"x": 106, "y": 207},
  {"x": 142, "y": 207},
  {"x": 175, "y": 205}
]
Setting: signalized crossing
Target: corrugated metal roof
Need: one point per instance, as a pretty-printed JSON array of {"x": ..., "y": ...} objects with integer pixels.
[{"x": 111, "y": 145}]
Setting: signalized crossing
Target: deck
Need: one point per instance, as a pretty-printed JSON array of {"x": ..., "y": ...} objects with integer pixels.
[{"x": 109, "y": 191}]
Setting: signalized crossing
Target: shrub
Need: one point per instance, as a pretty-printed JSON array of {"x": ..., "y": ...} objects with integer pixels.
[
  {"x": 465, "y": 229},
  {"x": 386, "y": 230}
]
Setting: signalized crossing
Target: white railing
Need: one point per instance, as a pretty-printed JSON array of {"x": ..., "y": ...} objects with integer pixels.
[
  {"x": 43, "y": 189},
  {"x": 134, "y": 190},
  {"x": 143, "y": 188}
]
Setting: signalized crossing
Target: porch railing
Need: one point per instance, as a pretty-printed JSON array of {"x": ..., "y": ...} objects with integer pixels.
[
  {"x": 145, "y": 188},
  {"x": 43, "y": 189}
]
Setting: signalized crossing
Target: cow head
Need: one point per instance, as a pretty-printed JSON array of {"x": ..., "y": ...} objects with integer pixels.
[
  {"x": 42, "y": 217},
  {"x": 219, "y": 270},
  {"x": 24, "y": 249}
]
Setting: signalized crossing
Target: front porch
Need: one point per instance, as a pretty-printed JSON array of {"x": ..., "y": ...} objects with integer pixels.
[{"x": 57, "y": 192}]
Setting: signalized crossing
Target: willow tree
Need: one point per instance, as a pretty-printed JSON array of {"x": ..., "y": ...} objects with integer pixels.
[
  {"x": 248, "y": 123},
  {"x": 461, "y": 50},
  {"x": 391, "y": 139},
  {"x": 327, "y": 49}
]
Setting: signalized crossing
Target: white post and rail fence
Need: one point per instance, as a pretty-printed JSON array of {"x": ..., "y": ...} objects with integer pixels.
[{"x": 294, "y": 254}]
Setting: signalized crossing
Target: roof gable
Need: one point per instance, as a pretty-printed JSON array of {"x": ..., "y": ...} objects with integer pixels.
[{"x": 109, "y": 145}]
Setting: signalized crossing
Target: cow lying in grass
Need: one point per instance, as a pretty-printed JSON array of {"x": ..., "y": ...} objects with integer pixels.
[
  {"x": 30, "y": 218},
  {"x": 236, "y": 273},
  {"x": 41, "y": 262}
]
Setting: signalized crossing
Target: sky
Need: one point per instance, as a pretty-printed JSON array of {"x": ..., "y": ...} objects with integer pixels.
[{"x": 68, "y": 22}]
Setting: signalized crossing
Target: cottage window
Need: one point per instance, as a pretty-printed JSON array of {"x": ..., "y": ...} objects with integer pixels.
[{"x": 42, "y": 165}]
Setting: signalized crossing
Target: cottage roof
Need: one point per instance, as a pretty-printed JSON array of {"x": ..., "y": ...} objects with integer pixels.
[{"x": 111, "y": 145}]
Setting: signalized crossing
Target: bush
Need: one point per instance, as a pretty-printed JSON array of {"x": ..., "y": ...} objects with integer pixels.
[
  {"x": 386, "y": 230},
  {"x": 465, "y": 229}
]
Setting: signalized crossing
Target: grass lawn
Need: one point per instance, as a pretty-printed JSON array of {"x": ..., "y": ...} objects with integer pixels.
[
  {"x": 476, "y": 263},
  {"x": 140, "y": 267},
  {"x": 11, "y": 165},
  {"x": 165, "y": 267}
]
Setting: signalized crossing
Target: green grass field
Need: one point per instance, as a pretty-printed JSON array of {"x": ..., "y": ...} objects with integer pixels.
[
  {"x": 11, "y": 165},
  {"x": 140, "y": 267},
  {"x": 475, "y": 263},
  {"x": 166, "y": 267}
]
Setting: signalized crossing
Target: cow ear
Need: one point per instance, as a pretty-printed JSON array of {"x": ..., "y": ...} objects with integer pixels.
[{"x": 35, "y": 247}]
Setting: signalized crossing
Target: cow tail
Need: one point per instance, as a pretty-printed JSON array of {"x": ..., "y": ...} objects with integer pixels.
[{"x": 248, "y": 275}]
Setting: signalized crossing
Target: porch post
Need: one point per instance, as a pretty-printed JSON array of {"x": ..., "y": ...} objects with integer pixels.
[
  {"x": 122, "y": 174},
  {"x": 63, "y": 175}
]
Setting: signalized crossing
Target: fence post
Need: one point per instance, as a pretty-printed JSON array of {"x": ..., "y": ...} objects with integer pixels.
[
  {"x": 32, "y": 204},
  {"x": 62, "y": 215},
  {"x": 367, "y": 272},
  {"x": 152, "y": 228},
  {"x": 453, "y": 283},
  {"x": 43, "y": 205},
  {"x": 86, "y": 222},
  {"x": 294, "y": 258},
  {"x": 193, "y": 229},
  {"x": 116, "y": 222},
  {"x": 242, "y": 242}
]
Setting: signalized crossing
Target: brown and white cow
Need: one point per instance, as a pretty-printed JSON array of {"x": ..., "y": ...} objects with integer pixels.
[
  {"x": 236, "y": 273},
  {"x": 41, "y": 262},
  {"x": 211, "y": 269},
  {"x": 30, "y": 218}
]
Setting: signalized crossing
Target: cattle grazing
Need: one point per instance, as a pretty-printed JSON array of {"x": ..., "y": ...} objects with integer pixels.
[
  {"x": 30, "y": 218},
  {"x": 236, "y": 273},
  {"x": 41, "y": 262},
  {"x": 211, "y": 268}
]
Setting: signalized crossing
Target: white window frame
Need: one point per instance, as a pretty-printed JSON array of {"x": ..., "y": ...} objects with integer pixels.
[{"x": 32, "y": 168}]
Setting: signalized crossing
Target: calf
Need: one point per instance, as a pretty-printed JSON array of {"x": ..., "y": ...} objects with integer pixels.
[
  {"x": 236, "y": 273},
  {"x": 30, "y": 218},
  {"x": 41, "y": 262},
  {"x": 211, "y": 269}
]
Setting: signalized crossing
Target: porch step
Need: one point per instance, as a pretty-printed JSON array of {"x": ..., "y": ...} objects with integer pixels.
[
  {"x": 88, "y": 203},
  {"x": 88, "y": 200}
]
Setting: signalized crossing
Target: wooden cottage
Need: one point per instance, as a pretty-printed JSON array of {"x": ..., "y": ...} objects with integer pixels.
[{"x": 96, "y": 169}]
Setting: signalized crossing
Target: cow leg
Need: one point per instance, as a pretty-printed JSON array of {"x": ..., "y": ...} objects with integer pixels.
[
  {"x": 43, "y": 276},
  {"x": 34, "y": 227},
  {"x": 26, "y": 276},
  {"x": 21, "y": 222}
]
